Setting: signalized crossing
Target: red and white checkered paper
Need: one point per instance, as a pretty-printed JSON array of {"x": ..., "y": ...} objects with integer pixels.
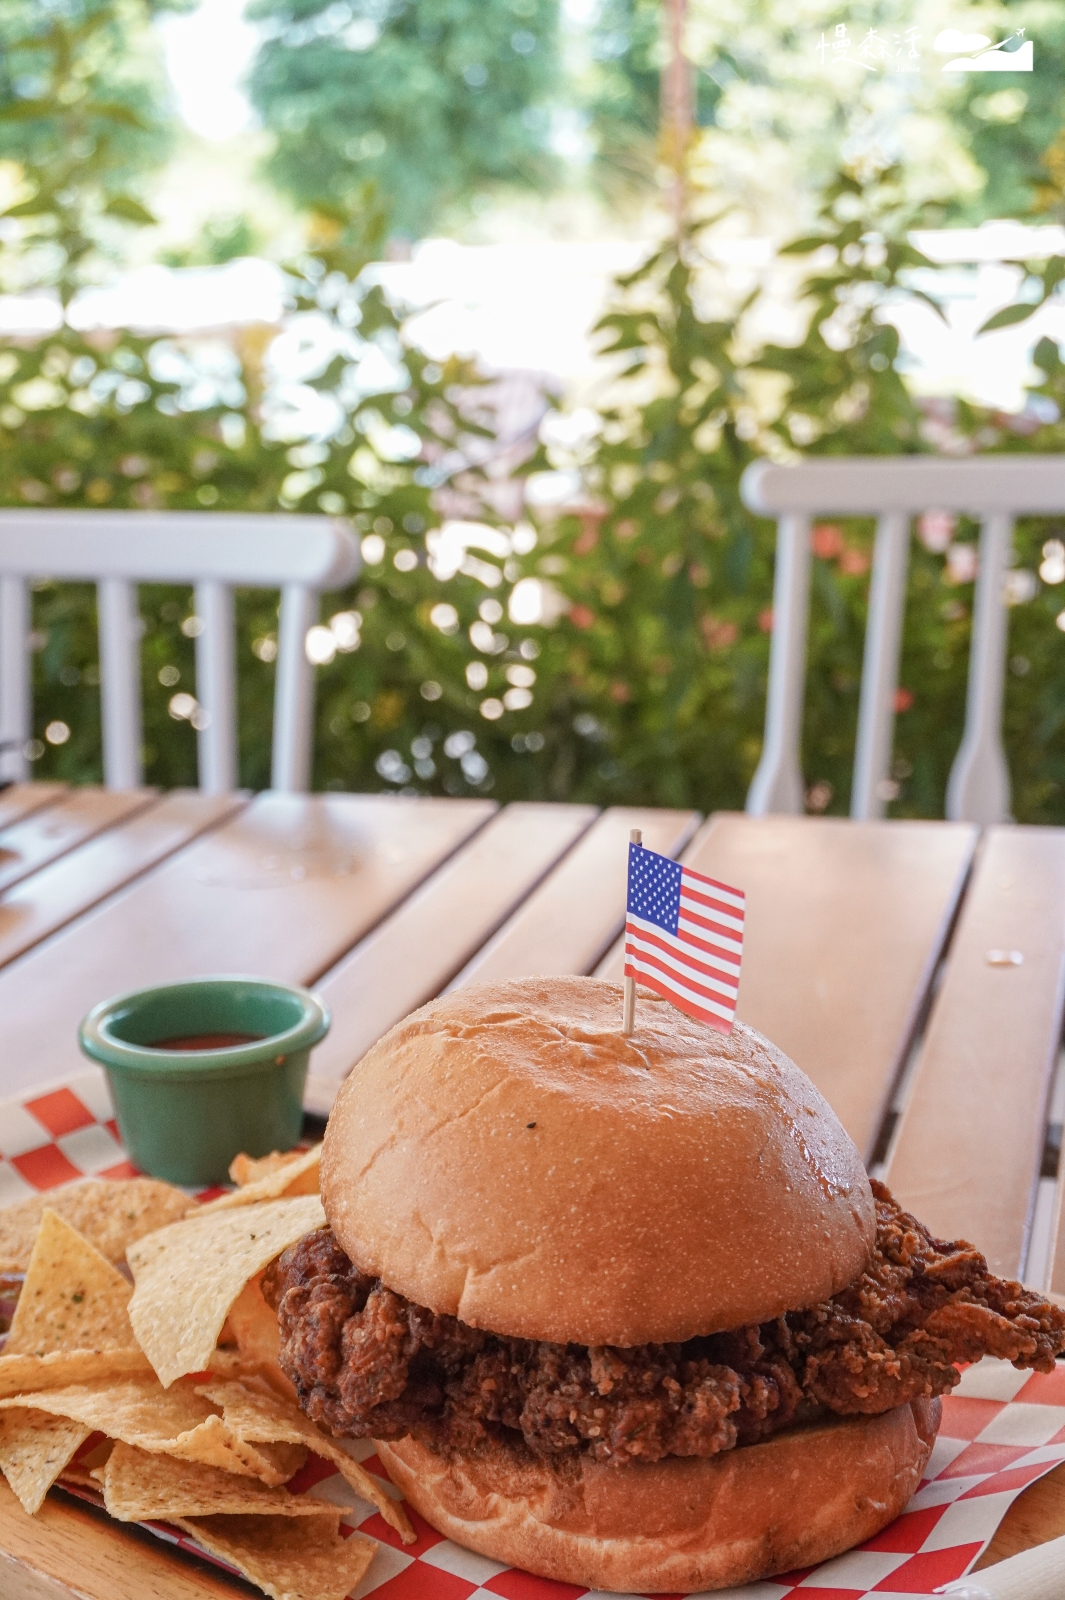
[{"x": 1002, "y": 1429}]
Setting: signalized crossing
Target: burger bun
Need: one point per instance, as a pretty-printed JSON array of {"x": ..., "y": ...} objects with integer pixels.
[
  {"x": 683, "y": 1524},
  {"x": 507, "y": 1156}
]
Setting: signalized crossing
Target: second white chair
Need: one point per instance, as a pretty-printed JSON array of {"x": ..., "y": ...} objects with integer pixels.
[{"x": 993, "y": 489}]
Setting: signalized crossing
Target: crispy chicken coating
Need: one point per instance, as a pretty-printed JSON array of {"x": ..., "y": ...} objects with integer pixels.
[{"x": 367, "y": 1362}]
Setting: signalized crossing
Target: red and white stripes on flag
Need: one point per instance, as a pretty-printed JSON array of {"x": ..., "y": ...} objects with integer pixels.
[{"x": 684, "y": 936}]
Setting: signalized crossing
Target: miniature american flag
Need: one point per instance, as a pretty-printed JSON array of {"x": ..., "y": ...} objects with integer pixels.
[{"x": 684, "y": 936}]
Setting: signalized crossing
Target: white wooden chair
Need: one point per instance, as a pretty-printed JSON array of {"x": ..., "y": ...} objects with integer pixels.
[
  {"x": 213, "y": 551},
  {"x": 993, "y": 489}
]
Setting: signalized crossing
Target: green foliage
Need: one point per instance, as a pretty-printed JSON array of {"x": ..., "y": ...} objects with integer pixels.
[
  {"x": 113, "y": 420},
  {"x": 1010, "y": 120},
  {"x": 1050, "y": 188},
  {"x": 1041, "y": 283},
  {"x": 374, "y": 89},
  {"x": 433, "y": 102},
  {"x": 664, "y": 651},
  {"x": 651, "y": 686},
  {"x": 619, "y": 92},
  {"x": 224, "y": 238},
  {"x": 83, "y": 112},
  {"x": 845, "y": 395},
  {"x": 132, "y": 423}
]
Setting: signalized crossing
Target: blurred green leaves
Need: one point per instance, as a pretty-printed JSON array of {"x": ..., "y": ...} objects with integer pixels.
[
  {"x": 1043, "y": 281},
  {"x": 84, "y": 116},
  {"x": 434, "y": 102},
  {"x": 665, "y": 650},
  {"x": 373, "y": 430},
  {"x": 650, "y": 686}
]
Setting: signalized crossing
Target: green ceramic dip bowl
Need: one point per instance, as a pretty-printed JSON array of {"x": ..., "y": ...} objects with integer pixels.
[{"x": 199, "y": 1071}]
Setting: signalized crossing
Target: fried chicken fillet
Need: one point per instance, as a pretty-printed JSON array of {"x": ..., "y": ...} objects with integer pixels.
[{"x": 368, "y": 1363}]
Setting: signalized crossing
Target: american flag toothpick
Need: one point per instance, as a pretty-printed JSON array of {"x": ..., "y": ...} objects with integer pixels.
[
  {"x": 683, "y": 938},
  {"x": 629, "y": 1013}
]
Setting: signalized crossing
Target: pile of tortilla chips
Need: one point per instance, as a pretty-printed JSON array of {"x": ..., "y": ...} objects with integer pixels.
[{"x": 165, "y": 1398}]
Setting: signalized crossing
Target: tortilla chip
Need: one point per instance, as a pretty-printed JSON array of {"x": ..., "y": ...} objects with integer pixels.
[
  {"x": 57, "y": 1369},
  {"x": 257, "y": 1417},
  {"x": 229, "y": 1363},
  {"x": 189, "y": 1274},
  {"x": 285, "y": 1460},
  {"x": 79, "y": 1477},
  {"x": 249, "y": 1169},
  {"x": 175, "y": 1422},
  {"x": 213, "y": 1444},
  {"x": 289, "y": 1560},
  {"x": 232, "y": 1364},
  {"x": 110, "y": 1215},
  {"x": 145, "y": 1488},
  {"x": 253, "y": 1326},
  {"x": 299, "y": 1176},
  {"x": 34, "y": 1449},
  {"x": 252, "y": 1323},
  {"x": 72, "y": 1299},
  {"x": 89, "y": 1459}
]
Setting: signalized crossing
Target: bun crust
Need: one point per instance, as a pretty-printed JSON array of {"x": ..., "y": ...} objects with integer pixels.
[
  {"x": 792, "y": 1501},
  {"x": 506, "y": 1156}
]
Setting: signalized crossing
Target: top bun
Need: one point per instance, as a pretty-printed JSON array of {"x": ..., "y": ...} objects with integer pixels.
[{"x": 506, "y": 1156}]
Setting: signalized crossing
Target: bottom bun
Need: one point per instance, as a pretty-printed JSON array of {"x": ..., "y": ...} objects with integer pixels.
[{"x": 682, "y": 1524}]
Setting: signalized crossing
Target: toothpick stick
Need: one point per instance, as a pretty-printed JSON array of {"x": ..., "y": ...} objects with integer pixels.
[{"x": 628, "y": 1020}]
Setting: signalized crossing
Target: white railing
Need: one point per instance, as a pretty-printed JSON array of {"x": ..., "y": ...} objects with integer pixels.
[
  {"x": 994, "y": 490},
  {"x": 214, "y": 552}
]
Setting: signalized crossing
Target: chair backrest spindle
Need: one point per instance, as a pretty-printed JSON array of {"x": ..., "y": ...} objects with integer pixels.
[
  {"x": 777, "y": 785},
  {"x": 15, "y": 713},
  {"x": 216, "y": 679},
  {"x": 979, "y": 786},
  {"x": 120, "y": 682},
  {"x": 880, "y": 665},
  {"x": 293, "y": 691}
]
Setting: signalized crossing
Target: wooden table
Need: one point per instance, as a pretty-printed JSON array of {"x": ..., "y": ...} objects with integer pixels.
[{"x": 868, "y": 959}]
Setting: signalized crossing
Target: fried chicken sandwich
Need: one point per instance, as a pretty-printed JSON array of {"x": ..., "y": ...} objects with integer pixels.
[{"x": 626, "y": 1312}]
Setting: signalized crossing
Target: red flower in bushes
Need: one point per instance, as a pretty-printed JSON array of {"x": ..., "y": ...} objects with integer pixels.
[
  {"x": 826, "y": 540},
  {"x": 588, "y": 537},
  {"x": 903, "y": 699},
  {"x": 581, "y": 616},
  {"x": 718, "y": 632}
]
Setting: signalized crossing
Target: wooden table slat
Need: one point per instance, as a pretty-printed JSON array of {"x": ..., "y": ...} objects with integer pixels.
[
  {"x": 845, "y": 925},
  {"x": 966, "y": 1155},
  {"x": 410, "y": 957},
  {"x": 68, "y": 1552},
  {"x": 567, "y": 923},
  {"x": 1034, "y": 1517},
  {"x": 282, "y": 890},
  {"x": 79, "y": 815},
  {"x": 386, "y": 896},
  {"x": 20, "y": 800},
  {"x": 58, "y": 893}
]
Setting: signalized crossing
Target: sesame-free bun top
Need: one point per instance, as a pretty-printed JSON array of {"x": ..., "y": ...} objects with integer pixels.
[{"x": 506, "y": 1156}]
